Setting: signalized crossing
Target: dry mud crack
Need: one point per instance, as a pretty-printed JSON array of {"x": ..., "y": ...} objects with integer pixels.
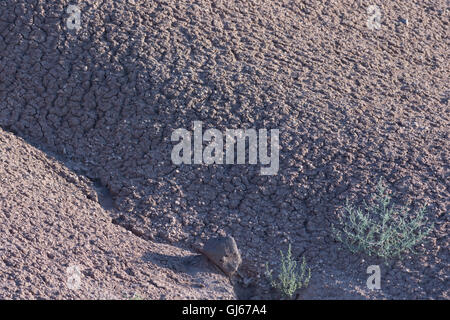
[
  {"x": 50, "y": 228},
  {"x": 352, "y": 105}
]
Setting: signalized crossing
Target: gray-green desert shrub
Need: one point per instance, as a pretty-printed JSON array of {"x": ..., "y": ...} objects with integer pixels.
[
  {"x": 381, "y": 229},
  {"x": 291, "y": 277},
  {"x": 136, "y": 297}
]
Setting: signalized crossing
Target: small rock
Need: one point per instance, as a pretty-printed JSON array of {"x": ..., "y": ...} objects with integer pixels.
[{"x": 223, "y": 252}]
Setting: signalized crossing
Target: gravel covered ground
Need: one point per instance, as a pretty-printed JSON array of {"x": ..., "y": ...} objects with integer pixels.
[{"x": 352, "y": 105}]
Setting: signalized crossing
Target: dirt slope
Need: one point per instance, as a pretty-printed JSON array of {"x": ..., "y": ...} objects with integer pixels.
[
  {"x": 48, "y": 223},
  {"x": 352, "y": 105}
]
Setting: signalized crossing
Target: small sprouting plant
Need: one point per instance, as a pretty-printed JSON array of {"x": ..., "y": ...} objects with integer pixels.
[
  {"x": 136, "y": 297},
  {"x": 382, "y": 229},
  {"x": 290, "y": 278}
]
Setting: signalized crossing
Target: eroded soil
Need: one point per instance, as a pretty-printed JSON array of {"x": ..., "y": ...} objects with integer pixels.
[
  {"x": 352, "y": 105},
  {"x": 51, "y": 223}
]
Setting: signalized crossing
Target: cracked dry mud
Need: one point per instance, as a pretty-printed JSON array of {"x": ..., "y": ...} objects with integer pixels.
[
  {"x": 50, "y": 223},
  {"x": 352, "y": 105}
]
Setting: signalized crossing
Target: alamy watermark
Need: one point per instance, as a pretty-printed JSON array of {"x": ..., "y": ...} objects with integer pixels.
[
  {"x": 374, "y": 280},
  {"x": 214, "y": 150},
  {"x": 74, "y": 20},
  {"x": 73, "y": 273},
  {"x": 374, "y": 20}
]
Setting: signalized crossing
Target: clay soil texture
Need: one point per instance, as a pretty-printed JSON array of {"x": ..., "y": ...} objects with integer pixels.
[{"x": 352, "y": 105}]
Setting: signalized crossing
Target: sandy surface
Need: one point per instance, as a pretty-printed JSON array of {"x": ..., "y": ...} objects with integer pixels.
[{"x": 352, "y": 105}]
